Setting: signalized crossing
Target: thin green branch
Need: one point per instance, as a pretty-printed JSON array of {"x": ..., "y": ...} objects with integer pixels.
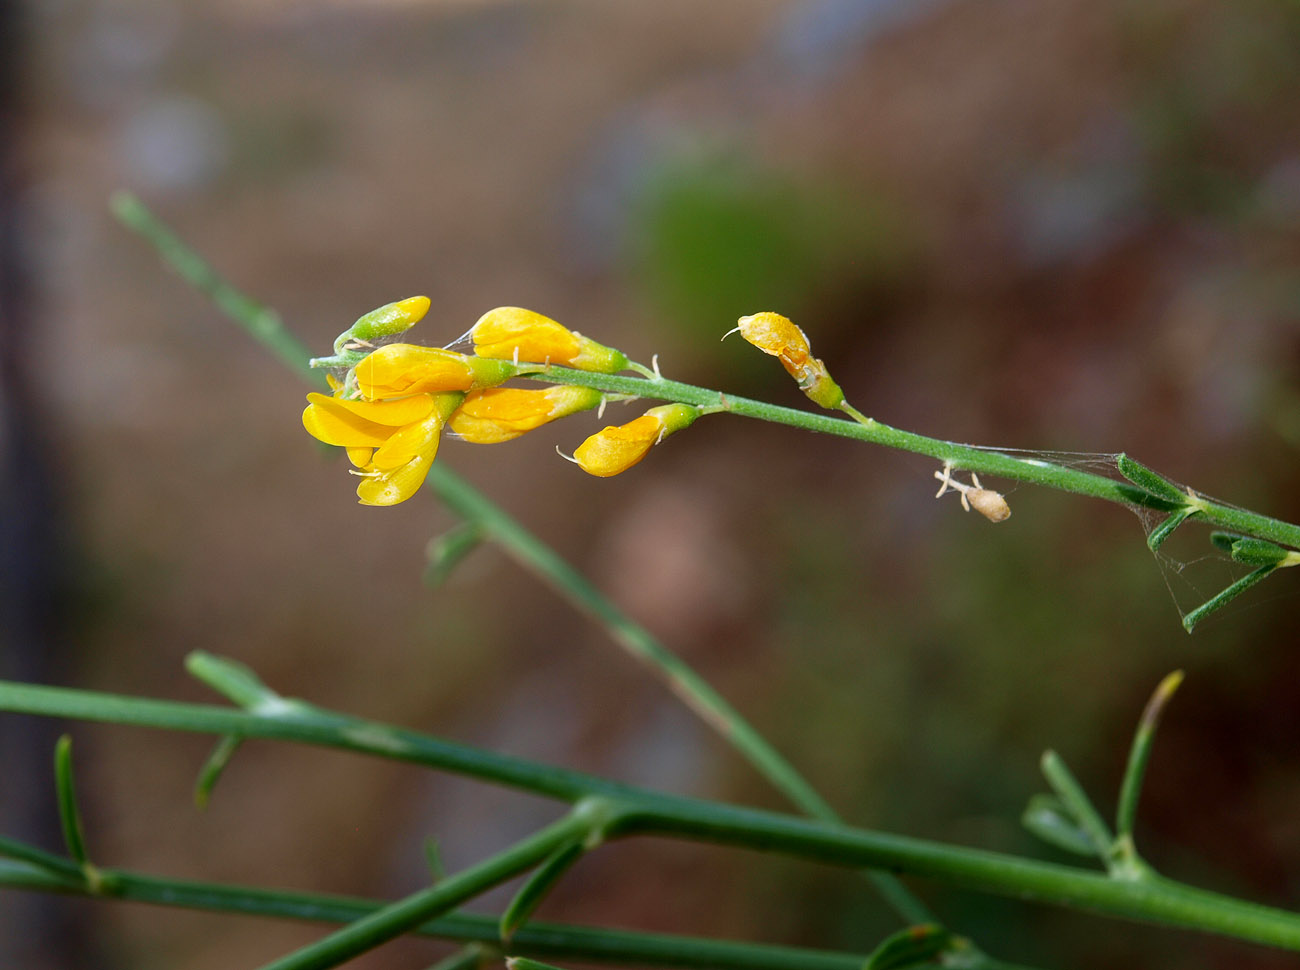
[
  {"x": 401, "y": 917},
  {"x": 588, "y": 944},
  {"x": 640, "y": 811},
  {"x": 960, "y": 457}
]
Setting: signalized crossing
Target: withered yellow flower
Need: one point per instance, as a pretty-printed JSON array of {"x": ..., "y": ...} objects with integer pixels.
[
  {"x": 779, "y": 336},
  {"x": 499, "y": 414},
  {"x": 401, "y": 369},
  {"x": 615, "y": 449},
  {"x": 513, "y": 333},
  {"x": 392, "y": 443}
]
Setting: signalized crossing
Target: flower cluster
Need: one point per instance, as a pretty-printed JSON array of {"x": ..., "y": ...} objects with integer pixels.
[{"x": 391, "y": 406}]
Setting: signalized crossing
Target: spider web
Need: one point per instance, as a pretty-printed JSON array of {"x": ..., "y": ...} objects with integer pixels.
[{"x": 1194, "y": 570}]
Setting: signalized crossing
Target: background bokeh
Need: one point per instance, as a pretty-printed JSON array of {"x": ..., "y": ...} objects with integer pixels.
[{"x": 1058, "y": 224}]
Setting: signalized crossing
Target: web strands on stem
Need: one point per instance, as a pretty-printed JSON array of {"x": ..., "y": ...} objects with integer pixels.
[{"x": 1195, "y": 570}]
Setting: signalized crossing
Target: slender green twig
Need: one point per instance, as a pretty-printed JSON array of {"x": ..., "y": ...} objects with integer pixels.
[
  {"x": 644, "y": 812},
  {"x": 587, "y": 944},
  {"x": 398, "y": 918},
  {"x": 960, "y": 457}
]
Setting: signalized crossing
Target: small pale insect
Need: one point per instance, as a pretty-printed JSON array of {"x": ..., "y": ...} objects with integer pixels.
[{"x": 988, "y": 503}]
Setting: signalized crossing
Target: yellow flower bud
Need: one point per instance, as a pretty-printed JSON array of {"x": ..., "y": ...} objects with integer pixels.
[
  {"x": 513, "y": 333},
  {"x": 616, "y": 449},
  {"x": 502, "y": 413},
  {"x": 390, "y": 319},
  {"x": 401, "y": 369}
]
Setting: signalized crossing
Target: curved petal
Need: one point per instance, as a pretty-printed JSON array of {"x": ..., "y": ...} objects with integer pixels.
[{"x": 329, "y": 420}]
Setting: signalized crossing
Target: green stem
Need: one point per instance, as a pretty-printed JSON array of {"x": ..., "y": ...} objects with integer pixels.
[
  {"x": 961, "y": 457},
  {"x": 392, "y": 921},
  {"x": 641, "y": 811},
  {"x": 692, "y": 689},
  {"x": 623, "y": 947},
  {"x": 262, "y": 323}
]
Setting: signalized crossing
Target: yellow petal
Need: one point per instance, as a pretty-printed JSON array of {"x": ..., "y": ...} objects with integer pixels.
[
  {"x": 414, "y": 440},
  {"x": 389, "y": 488},
  {"x": 500, "y": 414},
  {"x": 401, "y": 369},
  {"x": 360, "y": 456},
  {"x": 330, "y": 420}
]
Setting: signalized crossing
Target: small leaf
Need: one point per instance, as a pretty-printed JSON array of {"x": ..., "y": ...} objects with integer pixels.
[
  {"x": 69, "y": 814},
  {"x": 1166, "y": 528},
  {"x": 538, "y": 885},
  {"x": 1047, "y": 817},
  {"x": 433, "y": 859},
  {"x": 1143, "y": 477},
  {"x": 915, "y": 946},
  {"x": 1258, "y": 552},
  {"x": 1224, "y": 540},
  {"x": 1075, "y": 801},
  {"x": 212, "y": 768},
  {"x": 230, "y": 678},
  {"x": 1140, "y": 754},
  {"x": 445, "y": 552},
  {"x": 1219, "y": 601}
]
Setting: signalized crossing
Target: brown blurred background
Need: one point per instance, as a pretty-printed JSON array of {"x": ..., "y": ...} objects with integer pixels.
[{"x": 1049, "y": 224}]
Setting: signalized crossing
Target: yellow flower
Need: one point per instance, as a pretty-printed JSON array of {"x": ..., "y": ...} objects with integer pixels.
[
  {"x": 392, "y": 443},
  {"x": 502, "y": 413},
  {"x": 512, "y": 333},
  {"x": 401, "y": 369},
  {"x": 616, "y": 449}
]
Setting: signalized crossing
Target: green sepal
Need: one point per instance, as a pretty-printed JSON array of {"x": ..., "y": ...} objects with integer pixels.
[
  {"x": 915, "y": 946},
  {"x": 1144, "y": 478},
  {"x": 1048, "y": 818},
  {"x": 445, "y": 552},
  {"x": 222, "y": 752},
  {"x": 535, "y": 889}
]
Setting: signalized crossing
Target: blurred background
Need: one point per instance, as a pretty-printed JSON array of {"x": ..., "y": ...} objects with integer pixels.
[{"x": 1062, "y": 225}]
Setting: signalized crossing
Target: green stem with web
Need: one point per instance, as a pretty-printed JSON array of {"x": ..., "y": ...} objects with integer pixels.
[{"x": 960, "y": 457}]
